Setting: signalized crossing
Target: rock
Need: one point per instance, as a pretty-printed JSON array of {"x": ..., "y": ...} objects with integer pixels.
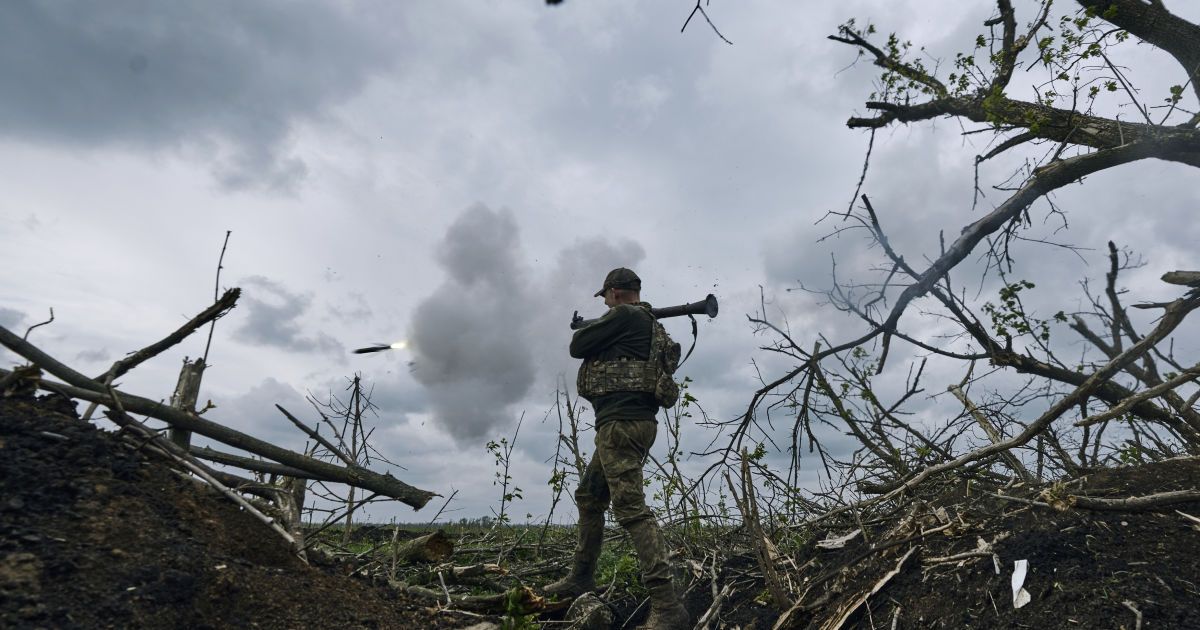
[{"x": 588, "y": 612}]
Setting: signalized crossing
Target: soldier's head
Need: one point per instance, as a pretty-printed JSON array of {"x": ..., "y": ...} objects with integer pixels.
[{"x": 621, "y": 286}]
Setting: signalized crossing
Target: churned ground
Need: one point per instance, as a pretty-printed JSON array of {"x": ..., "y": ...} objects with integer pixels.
[{"x": 93, "y": 534}]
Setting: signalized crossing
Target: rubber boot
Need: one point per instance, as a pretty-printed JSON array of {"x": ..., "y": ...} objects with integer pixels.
[{"x": 582, "y": 577}]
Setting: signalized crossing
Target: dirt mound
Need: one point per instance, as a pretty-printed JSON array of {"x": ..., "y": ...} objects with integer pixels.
[
  {"x": 92, "y": 534},
  {"x": 953, "y": 558}
]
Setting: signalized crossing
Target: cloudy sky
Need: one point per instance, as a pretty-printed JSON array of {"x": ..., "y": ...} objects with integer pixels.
[{"x": 461, "y": 175}]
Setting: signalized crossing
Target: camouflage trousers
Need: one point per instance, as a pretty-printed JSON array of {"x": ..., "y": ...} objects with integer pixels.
[{"x": 614, "y": 476}]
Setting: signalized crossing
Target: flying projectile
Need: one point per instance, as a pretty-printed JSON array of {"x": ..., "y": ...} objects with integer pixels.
[{"x": 379, "y": 347}]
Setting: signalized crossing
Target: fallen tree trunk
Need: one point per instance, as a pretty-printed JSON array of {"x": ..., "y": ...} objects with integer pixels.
[
  {"x": 434, "y": 547},
  {"x": 85, "y": 388},
  {"x": 249, "y": 463}
]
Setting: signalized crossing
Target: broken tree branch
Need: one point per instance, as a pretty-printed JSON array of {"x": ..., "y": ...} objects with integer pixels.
[
  {"x": 82, "y": 387},
  {"x": 993, "y": 434},
  {"x": 1188, "y": 375},
  {"x": 217, "y": 310}
]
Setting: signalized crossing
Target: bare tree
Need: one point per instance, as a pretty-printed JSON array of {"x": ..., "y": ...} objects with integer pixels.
[
  {"x": 1022, "y": 406},
  {"x": 350, "y": 443}
]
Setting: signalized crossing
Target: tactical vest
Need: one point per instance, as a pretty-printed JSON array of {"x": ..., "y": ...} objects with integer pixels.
[{"x": 655, "y": 375}]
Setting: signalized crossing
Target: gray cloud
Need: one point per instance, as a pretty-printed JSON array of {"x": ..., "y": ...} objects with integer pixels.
[
  {"x": 10, "y": 317},
  {"x": 469, "y": 337},
  {"x": 272, "y": 318},
  {"x": 254, "y": 412},
  {"x": 181, "y": 76},
  {"x": 352, "y": 308},
  {"x": 93, "y": 356}
]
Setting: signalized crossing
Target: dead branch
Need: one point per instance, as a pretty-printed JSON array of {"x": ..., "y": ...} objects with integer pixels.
[
  {"x": 1173, "y": 315},
  {"x": 218, "y": 309},
  {"x": 1130, "y": 504},
  {"x": 176, "y": 454},
  {"x": 705, "y": 622},
  {"x": 983, "y": 549},
  {"x": 839, "y": 617},
  {"x": 1187, "y": 376},
  {"x": 990, "y": 429},
  {"x": 317, "y": 436},
  {"x": 1135, "y": 504},
  {"x": 249, "y": 463},
  {"x": 82, "y": 387},
  {"x": 518, "y": 602},
  {"x": 763, "y": 547}
]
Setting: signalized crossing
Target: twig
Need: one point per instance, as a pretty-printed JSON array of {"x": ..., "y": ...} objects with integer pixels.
[
  {"x": 992, "y": 433},
  {"x": 1132, "y": 607},
  {"x": 350, "y": 463},
  {"x": 216, "y": 289},
  {"x": 30, "y": 329},
  {"x": 983, "y": 549},
  {"x": 442, "y": 580},
  {"x": 706, "y": 620},
  {"x": 443, "y": 508},
  {"x": 1193, "y": 519},
  {"x": 699, "y": 9}
]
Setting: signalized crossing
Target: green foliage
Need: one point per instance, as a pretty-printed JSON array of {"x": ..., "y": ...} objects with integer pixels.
[
  {"x": 1176, "y": 94},
  {"x": 1009, "y": 319},
  {"x": 1130, "y": 454},
  {"x": 619, "y": 567},
  {"x": 502, "y": 451},
  {"x": 516, "y": 615},
  {"x": 556, "y": 481}
]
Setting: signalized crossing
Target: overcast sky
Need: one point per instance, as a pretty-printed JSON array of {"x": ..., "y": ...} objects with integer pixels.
[{"x": 461, "y": 175}]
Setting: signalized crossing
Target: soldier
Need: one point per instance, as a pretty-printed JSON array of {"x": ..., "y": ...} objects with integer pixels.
[{"x": 623, "y": 377}]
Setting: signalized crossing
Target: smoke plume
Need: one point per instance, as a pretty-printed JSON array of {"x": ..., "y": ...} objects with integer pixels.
[
  {"x": 496, "y": 329},
  {"x": 469, "y": 338}
]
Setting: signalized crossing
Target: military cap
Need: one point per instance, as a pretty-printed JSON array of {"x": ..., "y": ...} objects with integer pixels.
[{"x": 620, "y": 278}]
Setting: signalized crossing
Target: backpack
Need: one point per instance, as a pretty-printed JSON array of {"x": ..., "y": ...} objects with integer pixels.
[{"x": 665, "y": 353}]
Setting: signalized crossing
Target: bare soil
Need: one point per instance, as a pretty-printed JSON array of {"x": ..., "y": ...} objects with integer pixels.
[
  {"x": 94, "y": 535},
  {"x": 1086, "y": 568}
]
